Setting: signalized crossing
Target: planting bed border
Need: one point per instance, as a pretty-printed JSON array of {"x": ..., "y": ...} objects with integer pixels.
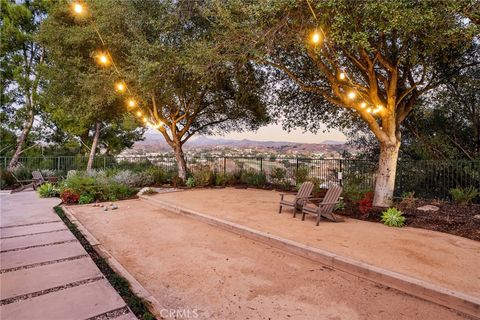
[{"x": 137, "y": 298}]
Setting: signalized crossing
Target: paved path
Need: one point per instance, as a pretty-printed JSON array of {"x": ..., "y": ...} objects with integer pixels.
[{"x": 44, "y": 271}]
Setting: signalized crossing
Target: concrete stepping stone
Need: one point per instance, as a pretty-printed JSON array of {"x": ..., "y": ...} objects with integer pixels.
[
  {"x": 25, "y": 281},
  {"x": 82, "y": 302},
  {"x": 31, "y": 229},
  {"x": 127, "y": 316},
  {"x": 14, "y": 259},
  {"x": 35, "y": 240}
]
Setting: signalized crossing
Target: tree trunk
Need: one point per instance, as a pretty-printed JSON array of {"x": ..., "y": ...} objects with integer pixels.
[
  {"x": 181, "y": 163},
  {"x": 93, "y": 150},
  {"x": 387, "y": 169},
  {"x": 21, "y": 141}
]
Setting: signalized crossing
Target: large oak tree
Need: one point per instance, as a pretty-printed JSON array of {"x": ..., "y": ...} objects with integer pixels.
[
  {"x": 370, "y": 62},
  {"x": 181, "y": 79}
]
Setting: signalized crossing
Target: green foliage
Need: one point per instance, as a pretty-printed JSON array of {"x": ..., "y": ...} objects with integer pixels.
[
  {"x": 224, "y": 179},
  {"x": 464, "y": 195},
  {"x": 354, "y": 188},
  {"x": 302, "y": 173},
  {"x": 158, "y": 175},
  {"x": 48, "y": 190},
  {"x": 340, "y": 206},
  {"x": 253, "y": 178},
  {"x": 393, "y": 218},
  {"x": 408, "y": 199},
  {"x": 190, "y": 183},
  {"x": 85, "y": 199},
  {"x": 22, "y": 173},
  {"x": 97, "y": 186},
  {"x": 6, "y": 179},
  {"x": 278, "y": 177},
  {"x": 203, "y": 176}
]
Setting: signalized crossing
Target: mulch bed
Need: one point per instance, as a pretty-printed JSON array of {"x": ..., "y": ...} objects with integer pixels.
[{"x": 451, "y": 218}]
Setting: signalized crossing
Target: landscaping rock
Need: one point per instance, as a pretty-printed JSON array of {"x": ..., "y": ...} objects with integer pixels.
[
  {"x": 428, "y": 207},
  {"x": 477, "y": 217}
]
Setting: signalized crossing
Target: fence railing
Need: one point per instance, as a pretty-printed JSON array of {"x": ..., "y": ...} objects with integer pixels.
[{"x": 428, "y": 179}]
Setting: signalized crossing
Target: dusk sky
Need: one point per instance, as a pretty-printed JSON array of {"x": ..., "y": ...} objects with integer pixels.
[{"x": 274, "y": 132}]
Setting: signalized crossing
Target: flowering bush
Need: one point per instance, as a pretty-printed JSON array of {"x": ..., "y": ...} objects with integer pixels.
[
  {"x": 365, "y": 204},
  {"x": 68, "y": 196}
]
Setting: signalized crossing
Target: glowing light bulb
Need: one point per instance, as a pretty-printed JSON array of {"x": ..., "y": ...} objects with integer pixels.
[
  {"x": 316, "y": 37},
  {"x": 351, "y": 95},
  {"x": 342, "y": 76},
  {"x": 139, "y": 113},
  {"x": 363, "y": 105},
  {"x": 77, "y": 8},
  {"x": 120, "y": 87},
  {"x": 131, "y": 103},
  {"x": 369, "y": 110},
  {"x": 102, "y": 58},
  {"x": 145, "y": 119},
  {"x": 159, "y": 124}
]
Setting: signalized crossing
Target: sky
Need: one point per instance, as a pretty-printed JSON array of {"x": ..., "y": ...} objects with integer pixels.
[{"x": 274, "y": 132}]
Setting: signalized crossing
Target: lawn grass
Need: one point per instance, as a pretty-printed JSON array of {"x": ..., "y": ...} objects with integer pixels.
[{"x": 135, "y": 303}]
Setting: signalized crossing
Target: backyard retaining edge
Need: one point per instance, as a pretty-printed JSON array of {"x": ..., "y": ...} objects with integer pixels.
[
  {"x": 456, "y": 300},
  {"x": 153, "y": 304}
]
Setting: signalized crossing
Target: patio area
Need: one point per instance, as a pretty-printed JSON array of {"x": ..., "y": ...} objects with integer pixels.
[{"x": 190, "y": 265}]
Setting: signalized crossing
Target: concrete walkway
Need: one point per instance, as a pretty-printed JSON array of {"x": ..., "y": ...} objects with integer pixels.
[{"x": 44, "y": 271}]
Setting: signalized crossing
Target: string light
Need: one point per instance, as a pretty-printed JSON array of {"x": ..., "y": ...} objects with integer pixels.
[
  {"x": 351, "y": 95},
  {"x": 363, "y": 105},
  {"x": 120, "y": 87},
  {"x": 316, "y": 37},
  {"x": 102, "y": 59},
  {"x": 139, "y": 113},
  {"x": 145, "y": 119},
  {"x": 77, "y": 8},
  {"x": 131, "y": 103},
  {"x": 342, "y": 76}
]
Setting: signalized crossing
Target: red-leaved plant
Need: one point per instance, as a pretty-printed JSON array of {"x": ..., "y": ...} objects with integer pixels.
[
  {"x": 68, "y": 196},
  {"x": 366, "y": 203}
]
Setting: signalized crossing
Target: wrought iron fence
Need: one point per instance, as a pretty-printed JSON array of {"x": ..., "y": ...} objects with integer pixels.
[{"x": 428, "y": 179}]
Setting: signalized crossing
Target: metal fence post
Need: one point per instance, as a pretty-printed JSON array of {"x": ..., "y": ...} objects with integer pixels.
[
  {"x": 104, "y": 162},
  {"x": 261, "y": 165},
  {"x": 296, "y": 172},
  {"x": 224, "y": 165}
]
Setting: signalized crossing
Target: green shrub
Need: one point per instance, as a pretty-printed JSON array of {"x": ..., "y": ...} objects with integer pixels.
[
  {"x": 190, "y": 183},
  {"x": 253, "y": 178},
  {"x": 22, "y": 173},
  {"x": 393, "y": 218},
  {"x": 301, "y": 173},
  {"x": 48, "y": 190},
  {"x": 203, "y": 176},
  {"x": 85, "y": 198},
  {"x": 340, "y": 206},
  {"x": 464, "y": 195},
  {"x": 278, "y": 176},
  {"x": 157, "y": 175},
  {"x": 6, "y": 179},
  {"x": 224, "y": 179},
  {"x": 98, "y": 186}
]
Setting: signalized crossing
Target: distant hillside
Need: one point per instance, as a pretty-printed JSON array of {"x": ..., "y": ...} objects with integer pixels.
[{"x": 155, "y": 143}]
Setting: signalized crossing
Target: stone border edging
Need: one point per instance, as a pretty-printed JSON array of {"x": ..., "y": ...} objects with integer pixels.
[
  {"x": 456, "y": 300},
  {"x": 136, "y": 287}
]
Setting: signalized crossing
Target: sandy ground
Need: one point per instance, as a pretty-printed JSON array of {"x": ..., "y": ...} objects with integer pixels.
[
  {"x": 199, "y": 269},
  {"x": 440, "y": 258}
]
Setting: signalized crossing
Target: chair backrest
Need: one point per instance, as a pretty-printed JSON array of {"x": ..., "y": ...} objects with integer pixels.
[
  {"x": 332, "y": 196},
  {"x": 305, "y": 190},
  {"x": 37, "y": 175}
]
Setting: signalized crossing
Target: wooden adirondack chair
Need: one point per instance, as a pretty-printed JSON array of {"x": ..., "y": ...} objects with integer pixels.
[
  {"x": 38, "y": 179},
  {"x": 24, "y": 184},
  {"x": 300, "y": 199},
  {"x": 325, "y": 208}
]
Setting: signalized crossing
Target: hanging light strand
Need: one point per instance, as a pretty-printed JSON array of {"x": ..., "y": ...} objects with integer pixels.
[{"x": 105, "y": 59}]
